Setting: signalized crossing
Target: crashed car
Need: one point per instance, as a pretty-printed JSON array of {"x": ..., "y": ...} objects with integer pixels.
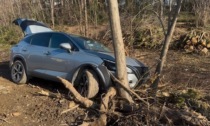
[{"x": 86, "y": 63}]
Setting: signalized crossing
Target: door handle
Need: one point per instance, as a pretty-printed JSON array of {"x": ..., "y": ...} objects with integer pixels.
[
  {"x": 47, "y": 53},
  {"x": 24, "y": 50}
]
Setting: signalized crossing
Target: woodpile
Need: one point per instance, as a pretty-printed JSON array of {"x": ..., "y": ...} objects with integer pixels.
[{"x": 196, "y": 42}]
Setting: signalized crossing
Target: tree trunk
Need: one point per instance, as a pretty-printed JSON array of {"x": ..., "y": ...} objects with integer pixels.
[
  {"x": 118, "y": 48},
  {"x": 86, "y": 19},
  {"x": 161, "y": 8},
  {"x": 52, "y": 13},
  {"x": 167, "y": 41}
]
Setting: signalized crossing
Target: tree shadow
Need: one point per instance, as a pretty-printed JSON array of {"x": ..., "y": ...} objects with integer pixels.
[
  {"x": 51, "y": 86},
  {"x": 5, "y": 70}
]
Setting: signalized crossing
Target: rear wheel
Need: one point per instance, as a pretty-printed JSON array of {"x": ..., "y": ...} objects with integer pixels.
[
  {"x": 88, "y": 83},
  {"x": 18, "y": 72}
]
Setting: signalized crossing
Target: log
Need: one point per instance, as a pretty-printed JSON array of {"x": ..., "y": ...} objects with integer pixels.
[
  {"x": 84, "y": 101},
  {"x": 208, "y": 45},
  {"x": 203, "y": 42},
  {"x": 204, "y": 51},
  {"x": 194, "y": 40}
]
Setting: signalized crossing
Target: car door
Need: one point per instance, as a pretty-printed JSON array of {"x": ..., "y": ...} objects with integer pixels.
[
  {"x": 59, "y": 62},
  {"x": 36, "y": 52}
]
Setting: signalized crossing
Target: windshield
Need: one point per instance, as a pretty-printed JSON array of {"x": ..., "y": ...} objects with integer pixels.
[{"x": 89, "y": 44}]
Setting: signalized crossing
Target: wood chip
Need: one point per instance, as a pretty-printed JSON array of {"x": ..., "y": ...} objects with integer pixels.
[{"x": 16, "y": 114}]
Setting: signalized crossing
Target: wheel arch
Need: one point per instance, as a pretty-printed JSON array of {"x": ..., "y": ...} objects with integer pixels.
[
  {"x": 18, "y": 57},
  {"x": 100, "y": 71}
]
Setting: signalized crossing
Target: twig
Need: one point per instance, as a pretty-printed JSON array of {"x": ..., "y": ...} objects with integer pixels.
[
  {"x": 4, "y": 120},
  {"x": 128, "y": 90},
  {"x": 102, "y": 100},
  {"x": 68, "y": 110},
  {"x": 162, "y": 110}
]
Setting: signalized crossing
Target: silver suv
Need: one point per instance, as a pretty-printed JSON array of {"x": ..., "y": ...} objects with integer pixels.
[{"x": 84, "y": 62}]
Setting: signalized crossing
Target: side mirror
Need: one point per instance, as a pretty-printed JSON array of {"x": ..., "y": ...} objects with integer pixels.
[{"x": 66, "y": 46}]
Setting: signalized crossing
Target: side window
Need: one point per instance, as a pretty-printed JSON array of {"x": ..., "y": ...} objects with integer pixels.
[
  {"x": 28, "y": 39},
  {"x": 41, "y": 39},
  {"x": 57, "y": 39}
]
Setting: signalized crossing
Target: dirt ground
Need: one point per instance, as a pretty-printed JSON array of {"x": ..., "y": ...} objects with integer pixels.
[{"x": 21, "y": 105}]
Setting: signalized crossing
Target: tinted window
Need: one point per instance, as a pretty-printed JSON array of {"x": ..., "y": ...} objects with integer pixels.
[
  {"x": 57, "y": 39},
  {"x": 41, "y": 39},
  {"x": 27, "y": 39},
  {"x": 89, "y": 44}
]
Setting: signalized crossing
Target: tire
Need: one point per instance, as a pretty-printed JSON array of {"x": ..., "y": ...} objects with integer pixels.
[
  {"x": 18, "y": 72},
  {"x": 88, "y": 84}
]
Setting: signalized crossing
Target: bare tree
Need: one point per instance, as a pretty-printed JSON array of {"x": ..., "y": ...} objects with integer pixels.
[
  {"x": 118, "y": 48},
  {"x": 201, "y": 10},
  {"x": 168, "y": 36},
  {"x": 86, "y": 18},
  {"x": 52, "y": 12}
]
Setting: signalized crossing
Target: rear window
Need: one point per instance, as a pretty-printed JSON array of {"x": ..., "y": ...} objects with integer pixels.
[{"x": 41, "y": 39}]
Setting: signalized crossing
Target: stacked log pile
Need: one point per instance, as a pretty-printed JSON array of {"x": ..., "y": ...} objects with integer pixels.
[{"x": 196, "y": 41}]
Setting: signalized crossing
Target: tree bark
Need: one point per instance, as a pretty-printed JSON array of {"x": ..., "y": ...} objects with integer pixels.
[
  {"x": 167, "y": 41},
  {"x": 84, "y": 101},
  {"x": 161, "y": 8},
  {"x": 86, "y": 19},
  {"x": 52, "y": 13},
  {"x": 118, "y": 48}
]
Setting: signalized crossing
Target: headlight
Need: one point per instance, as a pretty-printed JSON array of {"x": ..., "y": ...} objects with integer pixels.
[
  {"x": 110, "y": 65},
  {"x": 129, "y": 70}
]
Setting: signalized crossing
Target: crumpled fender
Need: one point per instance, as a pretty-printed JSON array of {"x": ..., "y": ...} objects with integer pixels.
[{"x": 102, "y": 72}]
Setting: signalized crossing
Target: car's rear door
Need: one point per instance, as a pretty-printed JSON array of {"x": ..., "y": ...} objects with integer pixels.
[{"x": 36, "y": 53}]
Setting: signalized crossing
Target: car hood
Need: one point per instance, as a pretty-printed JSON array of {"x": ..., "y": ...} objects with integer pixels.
[
  {"x": 31, "y": 26},
  {"x": 111, "y": 57}
]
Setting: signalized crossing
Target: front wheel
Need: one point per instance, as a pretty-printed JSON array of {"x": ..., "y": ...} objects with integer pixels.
[
  {"x": 88, "y": 84},
  {"x": 18, "y": 72}
]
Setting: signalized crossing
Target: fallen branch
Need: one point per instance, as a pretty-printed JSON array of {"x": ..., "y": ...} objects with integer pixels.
[
  {"x": 127, "y": 89},
  {"x": 84, "y": 101},
  {"x": 49, "y": 94},
  {"x": 68, "y": 110}
]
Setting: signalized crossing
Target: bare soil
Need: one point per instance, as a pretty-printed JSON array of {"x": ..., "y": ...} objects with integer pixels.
[{"x": 20, "y": 105}]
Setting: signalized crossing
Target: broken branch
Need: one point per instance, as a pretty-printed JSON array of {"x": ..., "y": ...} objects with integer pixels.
[{"x": 85, "y": 101}]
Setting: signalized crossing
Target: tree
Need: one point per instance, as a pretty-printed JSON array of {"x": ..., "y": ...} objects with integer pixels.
[
  {"x": 201, "y": 10},
  {"x": 168, "y": 36},
  {"x": 118, "y": 47},
  {"x": 52, "y": 12},
  {"x": 86, "y": 18}
]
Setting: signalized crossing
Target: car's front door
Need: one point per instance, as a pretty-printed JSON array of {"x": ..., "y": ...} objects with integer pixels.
[{"x": 59, "y": 62}]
